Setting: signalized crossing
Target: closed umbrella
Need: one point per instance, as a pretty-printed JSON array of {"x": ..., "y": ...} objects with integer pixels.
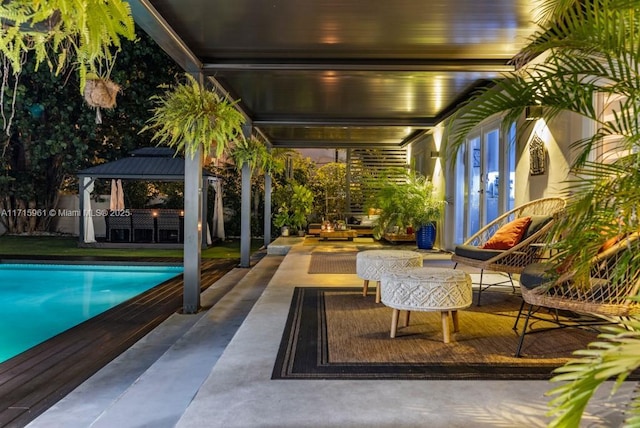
[
  {"x": 116, "y": 202},
  {"x": 113, "y": 200},
  {"x": 120, "y": 195}
]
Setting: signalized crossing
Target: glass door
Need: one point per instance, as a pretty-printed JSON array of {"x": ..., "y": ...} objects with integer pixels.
[
  {"x": 484, "y": 175},
  {"x": 474, "y": 203}
]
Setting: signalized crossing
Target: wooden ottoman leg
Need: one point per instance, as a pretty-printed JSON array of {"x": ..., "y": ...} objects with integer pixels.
[
  {"x": 406, "y": 318},
  {"x": 378, "y": 291},
  {"x": 365, "y": 288},
  {"x": 394, "y": 322},
  {"x": 445, "y": 327},
  {"x": 456, "y": 327}
]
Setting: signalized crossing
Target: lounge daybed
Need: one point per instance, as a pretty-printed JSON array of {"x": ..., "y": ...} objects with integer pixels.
[{"x": 482, "y": 251}]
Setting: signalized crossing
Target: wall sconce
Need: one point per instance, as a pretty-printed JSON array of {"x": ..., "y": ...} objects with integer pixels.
[
  {"x": 533, "y": 112},
  {"x": 435, "y": 155}
]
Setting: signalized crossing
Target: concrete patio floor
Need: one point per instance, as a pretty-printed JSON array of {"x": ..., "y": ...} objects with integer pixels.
[{"x": 214, "y": 369}]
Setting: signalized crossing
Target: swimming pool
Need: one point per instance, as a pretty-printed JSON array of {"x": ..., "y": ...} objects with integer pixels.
[{"x": 38, "y": 301}]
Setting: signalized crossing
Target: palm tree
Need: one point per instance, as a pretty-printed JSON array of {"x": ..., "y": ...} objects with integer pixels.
[{"x": 584, "y": 49}]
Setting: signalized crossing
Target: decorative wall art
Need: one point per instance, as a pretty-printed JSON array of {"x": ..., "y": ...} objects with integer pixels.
[{"x": 537, "y": 156}]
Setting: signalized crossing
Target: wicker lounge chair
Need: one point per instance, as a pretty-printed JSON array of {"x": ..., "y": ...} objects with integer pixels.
[
  {"x": 604, "y": 295},
  {"x": 512, "y": 260}
]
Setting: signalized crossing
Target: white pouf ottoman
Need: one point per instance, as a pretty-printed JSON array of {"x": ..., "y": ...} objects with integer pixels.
[
  {"x": 427, "y": 289},
  {"x": 371, "y": 264}
]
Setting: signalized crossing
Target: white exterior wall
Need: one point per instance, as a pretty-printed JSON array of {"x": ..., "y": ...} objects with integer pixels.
[
  {"x": 558, "y": 137},
  {"x": 67, "y": 217}
]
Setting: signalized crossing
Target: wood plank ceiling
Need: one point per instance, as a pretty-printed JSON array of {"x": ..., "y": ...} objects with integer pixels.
[{"x": 342, "y": 73}]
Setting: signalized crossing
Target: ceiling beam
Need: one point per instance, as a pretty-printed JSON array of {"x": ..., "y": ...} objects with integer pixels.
[
  {"x": 459, "y": 65},
  {"x": 346, "y": 122},
  {"x": 150, "y": 20},
  {"x": 317, "y": 144}
]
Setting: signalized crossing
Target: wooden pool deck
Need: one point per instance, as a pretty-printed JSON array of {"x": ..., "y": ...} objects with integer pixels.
[{"x": 36, "y": 379}]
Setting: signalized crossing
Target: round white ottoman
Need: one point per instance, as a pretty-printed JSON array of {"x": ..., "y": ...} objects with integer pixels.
[
  {"x": 371, "y": 264},
  {"x": 427, "y": 289}
]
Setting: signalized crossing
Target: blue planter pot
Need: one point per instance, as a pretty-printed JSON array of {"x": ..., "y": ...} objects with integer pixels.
[{"x": 426, "y": 236}]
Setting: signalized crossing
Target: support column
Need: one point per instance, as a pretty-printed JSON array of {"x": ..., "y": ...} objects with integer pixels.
[
  {"x": 245, "y": 217},
  {"x": 267, "y": 209},
  {"x": 192, "y": 231},
  {"x": 245, "y": 208}
]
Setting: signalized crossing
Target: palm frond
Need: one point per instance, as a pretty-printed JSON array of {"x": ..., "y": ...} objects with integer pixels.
[{"x": 614, "y": 356}]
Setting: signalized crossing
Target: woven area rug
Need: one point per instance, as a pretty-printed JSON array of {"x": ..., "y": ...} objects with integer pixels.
[
  {"x": 333, "y": 262},
  {"x": 336, "y": 333}
]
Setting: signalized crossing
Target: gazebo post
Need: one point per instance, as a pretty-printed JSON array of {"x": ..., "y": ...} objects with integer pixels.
[
  {"x": 82, "y": 187},
  {"x": 192, "y": 230}
]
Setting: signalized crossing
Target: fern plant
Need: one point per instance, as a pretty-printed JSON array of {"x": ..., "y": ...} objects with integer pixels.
[
  {"x": 252, "y": 152},
  {"x": 189, "y": 115},
  {"x": 84, "y": 33}
]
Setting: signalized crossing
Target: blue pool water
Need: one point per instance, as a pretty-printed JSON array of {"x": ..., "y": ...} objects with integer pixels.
[{"x": 38, "y": 301}]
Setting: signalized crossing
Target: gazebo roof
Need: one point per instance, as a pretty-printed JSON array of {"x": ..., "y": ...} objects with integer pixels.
[{"x": 147, "y": 163}]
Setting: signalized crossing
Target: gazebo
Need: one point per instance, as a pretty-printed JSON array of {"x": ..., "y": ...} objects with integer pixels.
[{"x": 147, "y": 164}]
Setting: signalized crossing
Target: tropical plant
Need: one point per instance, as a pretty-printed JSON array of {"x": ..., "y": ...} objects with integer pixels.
[
  {"x": 591, "y": 49},
  {"x": 54, "y": 135},
  {"x": 189, "y": 115},
  {"x": 301, "y": 206},
  {"x": 328, "y": 183},
  {"x": 250, "y": 151},
  {"x": 282, "y": 217},
  {"x": 85, "y": 33},
  {"x": 408, "y": 202}
]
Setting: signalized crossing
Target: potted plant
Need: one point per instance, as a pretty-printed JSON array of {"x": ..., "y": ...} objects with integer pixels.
[
  {"x": 282, "y": 220},
  {"x": 301, "y": 207},
  {"x": 85, "y": 34},
  {"x": 407, "y": 206},
  {"x": 190, "y": 115}
]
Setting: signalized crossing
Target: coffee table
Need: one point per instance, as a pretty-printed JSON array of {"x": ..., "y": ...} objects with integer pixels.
[{"x": 348, "y": 234}]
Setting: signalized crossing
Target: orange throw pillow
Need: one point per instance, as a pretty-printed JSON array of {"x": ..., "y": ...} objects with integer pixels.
[
  {"x": 610, "y": 243},
  {"x": 508, "y": 235}
]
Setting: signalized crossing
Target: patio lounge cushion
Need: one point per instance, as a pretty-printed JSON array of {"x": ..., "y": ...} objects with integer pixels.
[
  {"x": 508, "y": 235},
  {"x": 475, "y": 253},
  {"x": 534, "y": 275},
  {"x": 537, "y": 222}
]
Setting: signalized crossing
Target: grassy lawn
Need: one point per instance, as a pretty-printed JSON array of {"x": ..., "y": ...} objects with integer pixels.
[{"x": 68, "y": 246}]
